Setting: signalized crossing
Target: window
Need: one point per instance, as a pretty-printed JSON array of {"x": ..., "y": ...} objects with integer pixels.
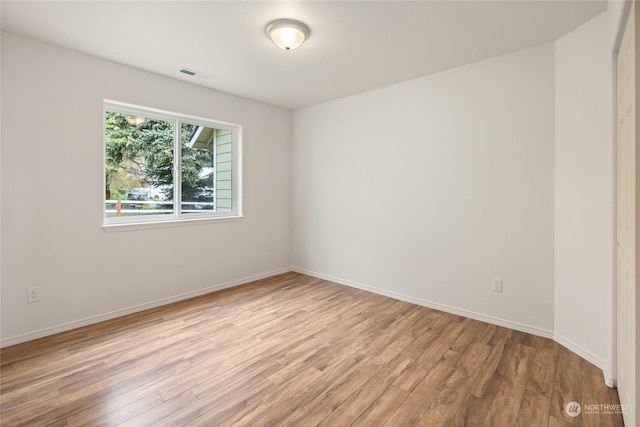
[{"x": 162, "y": 166}]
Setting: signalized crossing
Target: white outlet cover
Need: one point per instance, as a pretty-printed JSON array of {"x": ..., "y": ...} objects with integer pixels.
[{"x": 33, "y": 294}]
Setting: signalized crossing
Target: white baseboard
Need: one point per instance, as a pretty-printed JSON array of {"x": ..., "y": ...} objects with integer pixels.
[
  {"x": 134, "y": 309},
  {"x": 609, "y": 377},
  {"x": 430, "y": 304}
]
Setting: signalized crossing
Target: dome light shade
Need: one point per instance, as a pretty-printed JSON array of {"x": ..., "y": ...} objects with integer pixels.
[{"x": 287, "y": 34}]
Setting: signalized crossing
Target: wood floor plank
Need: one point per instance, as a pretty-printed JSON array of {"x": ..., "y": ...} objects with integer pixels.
[
  {"x": 286, "y": 391},
  {"x": 615, "y": 400},
  {"x": 596, "y": 401},
  {"x": 555, "y": 422},
  {"x": 103, "y": 389},
  {"x": 534, "y": 409},
  {"x": 382, "y": 408},
  {"x": 590, "y": 396},
  {"x": 506, "y": 404},
  {"x": 543, "y": 370},
  {"x": 392, "y": 342},
  {"x": 475, "y": 332},
  {"x": 567, "y": 385},
  {"x": 352, "y": 408},
  {"x": 514, "y": 338},
  {"x": 472, "y": 412},
  {"x": 123, "y": 413},
  {"x": 487, "y": 382},
  {"x": 325, "y": 404},
  {"x": 307, "y": 395},
  {"x": 38, "y": 348},
  {"x": 216, "y": 412},
  {"x": 415, "y": 405},
  {"x": 296, "y": 350},
  {"x": 453, "y": 393},
  {"x": 431, "y": 356},
  {"x": 158, "y": 413}
]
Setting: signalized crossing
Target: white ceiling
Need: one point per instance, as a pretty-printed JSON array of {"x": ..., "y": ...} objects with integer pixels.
[{"x": 354, "y": 46}]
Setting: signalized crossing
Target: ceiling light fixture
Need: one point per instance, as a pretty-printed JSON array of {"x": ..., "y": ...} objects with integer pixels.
[{"x": 287, "y": 34}]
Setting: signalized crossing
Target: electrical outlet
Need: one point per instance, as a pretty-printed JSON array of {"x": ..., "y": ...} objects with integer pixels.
[
  {"x": 496, "y": 285},
  {"x": 33, "y": 294}
]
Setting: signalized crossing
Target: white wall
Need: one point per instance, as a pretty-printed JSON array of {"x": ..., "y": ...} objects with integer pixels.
[
  {"x": 584, "y": 194},
  {"x": 427, "y": 189},
  {"x": 423, "y": 190},
  {"x": 52, "y": 195}
]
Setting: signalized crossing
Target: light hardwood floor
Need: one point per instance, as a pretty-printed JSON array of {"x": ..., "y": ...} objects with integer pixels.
[{"x": 295, "y": 350}]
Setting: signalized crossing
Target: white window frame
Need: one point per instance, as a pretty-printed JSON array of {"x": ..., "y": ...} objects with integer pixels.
[{"x": 177, "y": 217}]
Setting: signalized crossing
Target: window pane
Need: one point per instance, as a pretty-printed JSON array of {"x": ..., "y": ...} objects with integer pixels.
[
  {"x": 206, "y": 169},
  {"x": 139, "y": 166},
  {"x": 224, "y": 160}
]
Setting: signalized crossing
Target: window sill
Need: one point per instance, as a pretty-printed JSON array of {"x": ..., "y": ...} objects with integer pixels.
[{"x": 134, "y": 226}]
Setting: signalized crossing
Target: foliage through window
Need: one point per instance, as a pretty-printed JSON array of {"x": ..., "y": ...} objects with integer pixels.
[{"x": 163, "y": 166}]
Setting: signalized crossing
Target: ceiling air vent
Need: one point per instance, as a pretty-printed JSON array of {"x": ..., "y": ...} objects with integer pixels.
[{"x": 193, "y": 73}]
